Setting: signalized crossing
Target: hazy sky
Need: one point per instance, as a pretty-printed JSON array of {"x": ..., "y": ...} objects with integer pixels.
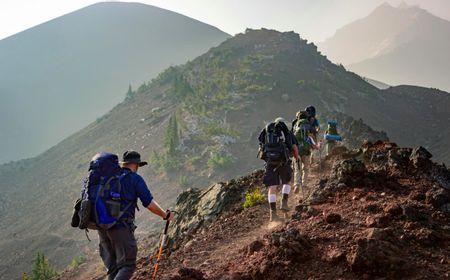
[{"x": 313, "y": 19}]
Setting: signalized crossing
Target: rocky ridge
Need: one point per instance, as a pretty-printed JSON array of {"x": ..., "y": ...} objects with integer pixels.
[{"x": 382, "y": 212}]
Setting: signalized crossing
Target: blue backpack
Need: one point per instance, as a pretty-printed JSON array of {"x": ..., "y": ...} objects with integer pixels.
[
  {"x": 100, "y": 204},
  {"x": 332, "y": 134}
]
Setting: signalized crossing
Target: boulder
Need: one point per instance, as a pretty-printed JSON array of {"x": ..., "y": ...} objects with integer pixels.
[
  {"x": 333, "y": 218},
  {"x": 437, "y": 197},
  {"x": 420, "y": 158},
  {"x": 377, "y": 257},
  {"x": 255, "y": 246},
  {"x": 185, "y": 273},
  {"x": 334, "y": 256},
  {"x": 412, "y": 213},
  {"x": 202, "y": 207}
]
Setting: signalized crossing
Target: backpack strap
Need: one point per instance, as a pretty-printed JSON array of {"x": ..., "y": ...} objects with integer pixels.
[
  {"x": 123, "y": 175},
  {"x": 267, "y": 132}
]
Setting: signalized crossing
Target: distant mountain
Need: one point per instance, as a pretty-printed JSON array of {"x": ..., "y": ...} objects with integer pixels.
[
  {"x": 198, "y": 123},
  {"x": 396, "y": 45},
  {"x": 59, "y": 76}
]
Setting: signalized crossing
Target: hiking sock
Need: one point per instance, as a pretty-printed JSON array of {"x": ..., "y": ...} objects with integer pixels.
[
  {"x": 286, "y": 189},
  {"x": 273, "y": 207},
  {"x": 273, "y": 202},
  {"x": 284, "y": 201}
]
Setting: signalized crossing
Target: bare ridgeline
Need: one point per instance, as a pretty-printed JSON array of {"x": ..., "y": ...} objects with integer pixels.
[{"x": 382, "y": 211}]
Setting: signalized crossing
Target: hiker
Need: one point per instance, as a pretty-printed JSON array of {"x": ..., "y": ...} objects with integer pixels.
[
  {"x": 315, "y": 127},
  {"x": 301, "y": 129},
  {"x": 118, "y": 245},
  {"x": 276, "y": 144},
  {"x": 331, "y": 136}
]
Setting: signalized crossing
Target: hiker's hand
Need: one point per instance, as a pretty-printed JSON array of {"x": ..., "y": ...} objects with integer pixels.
[{"x": 169, "y": 215}]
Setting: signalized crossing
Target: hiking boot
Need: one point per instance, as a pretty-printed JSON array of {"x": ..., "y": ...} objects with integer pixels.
[
  {"x": 274, "y": 217},
  {"x": 284, "y": 204}
]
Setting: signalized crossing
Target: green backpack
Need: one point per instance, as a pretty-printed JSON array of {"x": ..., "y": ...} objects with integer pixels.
[{"x": 301, "y": 131}]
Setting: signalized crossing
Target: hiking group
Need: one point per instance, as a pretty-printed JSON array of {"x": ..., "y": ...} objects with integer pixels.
[
  {"x": 288, "y": 154},
  {"x": 111, "y": 190}
]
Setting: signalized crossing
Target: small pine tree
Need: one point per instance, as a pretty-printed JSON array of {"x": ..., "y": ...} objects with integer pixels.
[
  {"x": 129, "y": 92},
  {"x": 172, "y": 137},
  {"x": 42, "y": 269}
]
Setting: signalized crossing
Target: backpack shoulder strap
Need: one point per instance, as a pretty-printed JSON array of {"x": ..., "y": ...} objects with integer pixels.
[
  {"x": 267, "y": 132},
  {"x": 123, "y": 175}
]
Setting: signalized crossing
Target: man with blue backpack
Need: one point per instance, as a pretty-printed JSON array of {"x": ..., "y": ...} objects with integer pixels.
[
  {"x": 331, "y": 136},
  {"x": 276, "y": 146},
  {"x": 108, "y": 203}
]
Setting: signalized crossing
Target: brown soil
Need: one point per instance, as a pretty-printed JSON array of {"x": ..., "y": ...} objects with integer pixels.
[{"x": 376, "y": 225}]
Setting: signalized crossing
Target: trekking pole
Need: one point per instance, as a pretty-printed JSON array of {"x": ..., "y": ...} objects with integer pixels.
[{"x": 161, "y": 248}]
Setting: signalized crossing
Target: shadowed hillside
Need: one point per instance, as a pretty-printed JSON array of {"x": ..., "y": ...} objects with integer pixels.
[{"x": 59, "y": 76}]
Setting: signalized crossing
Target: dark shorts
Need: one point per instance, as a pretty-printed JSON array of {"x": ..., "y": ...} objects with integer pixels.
[
  {"x": 274, "y": 175},
  {"x": 118, "y": 250}
]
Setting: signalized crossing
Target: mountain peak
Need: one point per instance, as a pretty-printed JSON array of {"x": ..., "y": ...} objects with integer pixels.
[{"x": 403, "y": 6}]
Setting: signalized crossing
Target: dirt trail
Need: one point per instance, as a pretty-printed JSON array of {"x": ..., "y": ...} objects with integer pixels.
[{"x": 212, "y": 250}]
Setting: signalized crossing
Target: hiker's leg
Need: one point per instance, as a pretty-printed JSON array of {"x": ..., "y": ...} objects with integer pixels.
[
  {"x": 125, "y": 273},
  {"x": 311, "y": 157},
  {"x": 330, "y": 147},
  {"x": 107, "y": 253},
  {"x": 126, "y": 251},
  {"x": 305, "y": 169},
  {"x": 297, "y": 177},
  {"x": 272, "y": 180},
  {"x": 286, "y": 177}
]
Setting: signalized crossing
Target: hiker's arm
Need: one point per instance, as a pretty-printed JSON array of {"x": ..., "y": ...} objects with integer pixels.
[{"x": 156, "y": 209}]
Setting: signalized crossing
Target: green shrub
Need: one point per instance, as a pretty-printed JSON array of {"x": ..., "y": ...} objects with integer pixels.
[
  {"x": 217, "y": 161},
  {"x": 215, "y": 129},
  {"x": 253, "y": 198},
  {"x": 76, "y": 262}
]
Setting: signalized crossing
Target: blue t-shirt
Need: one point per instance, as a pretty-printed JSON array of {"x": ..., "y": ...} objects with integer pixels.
[{"x": 134, "y": 187}]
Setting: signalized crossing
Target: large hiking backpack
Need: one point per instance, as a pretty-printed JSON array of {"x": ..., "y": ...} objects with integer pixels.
[
  {"x": 274, "y": 149},
  {"x": 302, "y": 130},
  {"x": 100, "y": 204}
]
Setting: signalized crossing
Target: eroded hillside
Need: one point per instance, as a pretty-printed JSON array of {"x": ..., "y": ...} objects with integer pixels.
[{"x": 384, "y": 213}]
